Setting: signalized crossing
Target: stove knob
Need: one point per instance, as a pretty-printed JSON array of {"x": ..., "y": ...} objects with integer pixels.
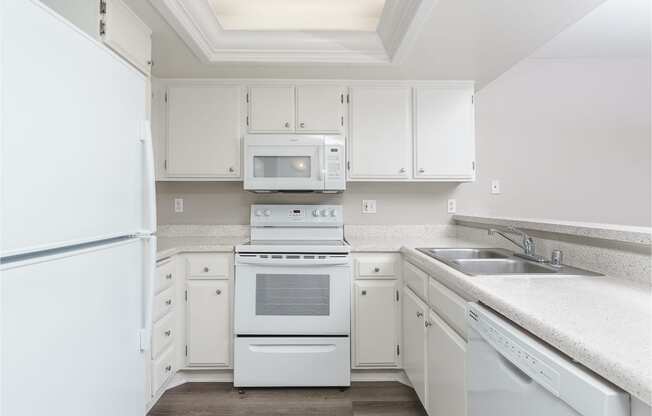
[
  {"x": 268, "y": 212},
  {"x": 315, "y": 213},
  {"x": 323, "y": 212},
  {"x": 333, "y": 213},
  {"x": 259, "y": 213}
]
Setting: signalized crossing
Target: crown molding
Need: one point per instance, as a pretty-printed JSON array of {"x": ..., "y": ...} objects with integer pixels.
[{"x": 199, "y": 27}]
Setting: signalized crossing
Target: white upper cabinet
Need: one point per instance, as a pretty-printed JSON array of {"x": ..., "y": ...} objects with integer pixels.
[
  {"x": 204, "y": 131},
  {"x": 271, "y": 109},
  {"x": 126, "y": 34},
  {"x": 444, "y": 143},
  {"x": 380, "y": 134},
  {"x": 320, "y": 109}
]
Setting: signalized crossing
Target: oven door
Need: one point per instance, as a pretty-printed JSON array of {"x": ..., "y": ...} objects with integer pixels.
[
  {"x": 282, "y": 162},
  {"x": 292, "y": 294}
]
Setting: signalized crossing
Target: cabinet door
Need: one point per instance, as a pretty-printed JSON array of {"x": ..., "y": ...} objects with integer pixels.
[
  {"x": 320, "y": 109},
  {"x": 446, "y": 369},
  {"x": 415, "y": 313},
  {"x": 271, "y": 109},
  {"x": 376, "y": 323},
  {"x": 208, "y": 329},
  {"x": 444, "y": 133},
  {"x": 204, "y": 131},
  {"x": 380, "y": 133},
  {"x": 126, "y": 34}
]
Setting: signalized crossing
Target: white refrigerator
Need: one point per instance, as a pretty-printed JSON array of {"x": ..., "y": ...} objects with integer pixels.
[{"x": 77, "y": 214}]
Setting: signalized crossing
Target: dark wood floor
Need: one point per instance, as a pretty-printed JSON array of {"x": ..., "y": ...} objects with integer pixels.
[{"x": 217, "y": 399}]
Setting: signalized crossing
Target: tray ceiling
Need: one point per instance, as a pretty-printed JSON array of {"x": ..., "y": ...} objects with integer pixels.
[{"x": 337, "y": 31}]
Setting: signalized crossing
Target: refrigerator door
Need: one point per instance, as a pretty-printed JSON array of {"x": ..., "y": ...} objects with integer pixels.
[
  {"x": 75, "y": 140},
  {"x": 72, "y": 338}
]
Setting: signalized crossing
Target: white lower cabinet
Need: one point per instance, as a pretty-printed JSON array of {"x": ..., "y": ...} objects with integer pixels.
[
  {"x": 208, "y": 323},
  {"x": 415, "y": 342},
  {"x": 446, "y": 369},
  {"x": 376, "y": 324}
]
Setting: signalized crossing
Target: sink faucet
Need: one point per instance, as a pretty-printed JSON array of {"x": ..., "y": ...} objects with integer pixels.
[{"x": 526, "y": 243}]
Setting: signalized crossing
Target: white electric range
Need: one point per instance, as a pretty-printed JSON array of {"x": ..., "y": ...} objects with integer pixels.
[{"x": 293, "y": 299}]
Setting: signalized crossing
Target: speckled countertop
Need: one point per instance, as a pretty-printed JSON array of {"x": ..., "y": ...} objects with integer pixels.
[
  {"x": 603, "y": 323},
  {"x": 169, "y": 246}
]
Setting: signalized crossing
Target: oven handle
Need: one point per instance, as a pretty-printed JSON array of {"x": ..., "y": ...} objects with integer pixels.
[{"x": 293, "y": 262}]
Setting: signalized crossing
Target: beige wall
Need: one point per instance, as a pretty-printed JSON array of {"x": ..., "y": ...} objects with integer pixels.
[
  {"x": 569, "y": 139},
  {"x": 227, "y": 203}
]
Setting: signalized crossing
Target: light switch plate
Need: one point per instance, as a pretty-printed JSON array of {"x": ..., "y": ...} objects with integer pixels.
[
  {"x": 452, "y": 206},
  {"x": 178, "y": 205},
  {"x": 368, "y": 206},
  {"x": 495, "y": 186}
]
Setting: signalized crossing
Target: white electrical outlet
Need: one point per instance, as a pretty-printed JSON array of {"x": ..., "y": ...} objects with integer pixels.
[
  {"x": 178, "y": 205},
  {"x": 368, "y": 206},
  {"x": 495, "y": 186},
  {"x": 452, "y": 206}
]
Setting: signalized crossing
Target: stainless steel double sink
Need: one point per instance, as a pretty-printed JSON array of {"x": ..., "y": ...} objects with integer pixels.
[{"x": 496, "y": 262}]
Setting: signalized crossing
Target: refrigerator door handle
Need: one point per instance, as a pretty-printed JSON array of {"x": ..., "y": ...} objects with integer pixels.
[
  {"x": 150, "y": 179},
  {"x": 148, "y": 292}
]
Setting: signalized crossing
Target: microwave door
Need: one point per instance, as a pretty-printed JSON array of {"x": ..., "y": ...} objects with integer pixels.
[{"x": 284, "y": 168}]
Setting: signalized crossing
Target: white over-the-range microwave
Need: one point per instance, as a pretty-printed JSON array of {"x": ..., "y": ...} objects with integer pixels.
[{"x": 294, "y": 163}]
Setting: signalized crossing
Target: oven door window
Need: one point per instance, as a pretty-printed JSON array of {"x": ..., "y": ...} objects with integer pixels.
[
  {"x": 282, "y": 167},
  {"x": 292, "y": 294}
]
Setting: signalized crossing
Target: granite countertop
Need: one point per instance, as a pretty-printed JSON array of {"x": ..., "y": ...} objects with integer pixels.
[
  {"x": 604, "y": 323},
  {"x": 169, "y": 246}
]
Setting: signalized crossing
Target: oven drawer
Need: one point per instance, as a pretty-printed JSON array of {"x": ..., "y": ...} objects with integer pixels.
[{"x": 287, "y": 361}]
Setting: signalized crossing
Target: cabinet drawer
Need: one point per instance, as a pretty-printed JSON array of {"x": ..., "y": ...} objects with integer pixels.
[
  {"x": 162, "y": 334},
  {"x": 163, "y": 369},
  {"x": 165, "y": 274},
  {"x": 208, "y": 266},
  {"x": 163, "y": 303},
  {"x": 416, "y": 280},
  {"x": 449, "y": 305},
  {"x": 376, "y": 267}
]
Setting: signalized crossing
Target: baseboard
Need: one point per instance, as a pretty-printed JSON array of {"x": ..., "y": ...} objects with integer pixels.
[{"x": 397, "y": 375}]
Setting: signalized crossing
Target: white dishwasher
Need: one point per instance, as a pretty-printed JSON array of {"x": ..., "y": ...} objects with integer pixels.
[{"x": 511, "y": 373}]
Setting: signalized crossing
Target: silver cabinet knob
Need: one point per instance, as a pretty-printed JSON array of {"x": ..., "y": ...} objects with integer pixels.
[
  {"x": 287, "y": 124},
  {"x": 168, "y": 368},
  {"x": 363, "y": 293},
  {"x": 206, "y": 269},
  {"x": 168, "y": 276},
  {"x": 302, "y": 125},
  {"x": 218, "y": 291},
  {"x": 428, "y": 324},
  {"x": 422, "y": 170},
  {"x": 168, "y": 302},
  {"x": 419, "y": 314},
  {"x": 168, "y": 332},
  {"x": 231, "y": 169},
  {"x": 376, "y": 269},
  {"x": 402, "y": 170}
]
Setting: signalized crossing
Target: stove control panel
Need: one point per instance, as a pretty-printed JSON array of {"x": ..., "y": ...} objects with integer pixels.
[{"x": 297, "y": 215}]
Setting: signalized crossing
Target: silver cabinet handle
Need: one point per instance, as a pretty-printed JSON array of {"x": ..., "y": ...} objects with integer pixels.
[
  {"x": 419, "y": 314},
  {"x": 402, "y": 170},
  {"x": 168, "y": 302},
  {"x": 168, "y": 276},
  {"x": 363, "y": 293},
  {"x": 422, "y": 170},
  {"x": 302, "y": 125},
  {"x": 287, "y": 124},
  {"x": 168, "y": 368},
  {"x": 168, "y": 332},
  {"x": 428, "y": 324},
  {"x": 218, "y": 291},
  {"x": 231, "y": 169},
  {"x": 206, "y": 269},
  {"x": 376, "y": 269}
]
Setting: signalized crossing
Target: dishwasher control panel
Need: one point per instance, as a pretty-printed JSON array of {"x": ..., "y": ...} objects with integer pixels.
[{"x": 514, "y": 350}]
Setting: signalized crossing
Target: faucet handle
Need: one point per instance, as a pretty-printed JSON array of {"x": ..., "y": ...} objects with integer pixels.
[{"x": 556, "y": 258}]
